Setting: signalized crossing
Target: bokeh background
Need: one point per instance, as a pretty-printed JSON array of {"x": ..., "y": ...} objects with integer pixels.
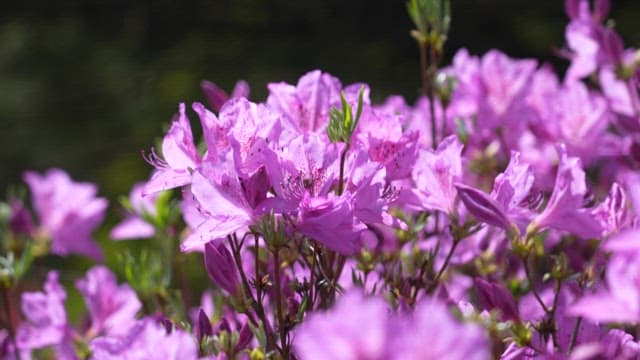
[{"x": 86, "y": 85}]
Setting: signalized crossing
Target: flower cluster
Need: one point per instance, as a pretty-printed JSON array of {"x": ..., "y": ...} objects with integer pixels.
[{"x": 495, "y": 218}]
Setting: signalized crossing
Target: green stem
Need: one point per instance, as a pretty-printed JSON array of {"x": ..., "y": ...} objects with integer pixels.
[
  {"x": 343, "y": 158},
  {"x": 525, "y": 262},
  {"x": 257, "y": 305},
  {"x": 574, "y": 334},
  {"x": 6, "y": 300},
  {"x": 436, "y": 280},
  {"x": 281, "y": 328}
]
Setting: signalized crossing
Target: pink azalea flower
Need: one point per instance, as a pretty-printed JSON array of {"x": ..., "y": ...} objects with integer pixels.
[
  {"x": 179, "y": 157},
  {"x": 222, "y": 202},
  {"x": 68, "y": 212},
  {"x": 255, "y": 130},
  {"x": 307, "y": 104},
  {"x": 620, "y": 301},
  {"x": 565, "y": 210},
  {"x": 46, "y": 318},
  {"x": 364, "y": 328},
  {"x": 331, "y": 221},
  {"x": 147, "y": 339},
  {"x": 435, "y": 174},
  {"x": 112, "y": 307}
]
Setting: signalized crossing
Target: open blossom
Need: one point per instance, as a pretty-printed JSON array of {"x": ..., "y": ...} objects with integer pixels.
[
  {"x": 504, "y": 206},
  {"x": 380, "y": 132},
  {"x": 255, "y": 130},
  {"x": 179, "y": 156},
  {"x": 147, "y": 339},
  {"x": 46, "y": 319},
  {"x": 571, "y": 114},
  {"x": 361, "y": 328},
  {"x": 435, "y": 174},
  {"x": 222, "y": 202},
  {"x": 134, "y": 226},
  {"x": 565, "y": 210},
  {"x": 505, "y": 80},
  {"x": 307, "y": 104},
  {"x": 432, "y": 323},
  {"x": 355, "y": 328},
  {"x": 68, "y": 211},
  {"x": 309, "y": 163},
  {"x": 331, "y": 221},
  {"x": 620, "y": 301},
  {"x": 584, "y": 35},
  {"x": 112, "y": 307}
]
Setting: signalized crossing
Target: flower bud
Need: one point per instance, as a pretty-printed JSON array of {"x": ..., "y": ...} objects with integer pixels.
[
  {"x": 20, "y": 221},
  {"x": 215, "y": 96},
  {"x": 204, "y": 327},
  {"x": 482, "y": 206},
  {"x": 493, "y": 296},
  {"x": 220, "y": 267},
  {"x": 244, "y": 338}
]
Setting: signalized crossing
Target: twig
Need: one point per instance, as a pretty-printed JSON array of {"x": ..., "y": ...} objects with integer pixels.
[{"x": 532, "y": 283}]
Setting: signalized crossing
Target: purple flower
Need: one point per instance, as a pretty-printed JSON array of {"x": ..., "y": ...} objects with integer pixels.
[
  {"x": 565, "y": 211},
  {"x": 617, "y": 344},
  {"x": 620, "y": 302},
  {"x": 45, "y": 318},
  {"x": 221, "y": 201},
  {"x": 134, "y": 226},
  {"x": 112, "y": 307},
  {"x": 622, "y": 98},
  {"x": 306, "y": 105},
  {"x": 68, "y": 212},
  {"x": 180, "y": 157},
  {"x": 613, "y": 212},
  {"x": 255, "y": 130},
  {"x": 147, "y": 339},
  {"x": 586, "y": 37},
  {"x": 435, "y": 174},
  {"x": 308, "y": 163},
  {"x": 432, "y": 324},
  {"x": 504, "y": 81},
  {"x": 380, "y": 132},
  {"x": 577, "y": 117},
  {"x": 355, "y": 328},
  {"x": 367, "y": 183},
  {"x": 215, "y": 129},
  {"x": 363, "y": 328},
  {"x": 331, "y": 221}
]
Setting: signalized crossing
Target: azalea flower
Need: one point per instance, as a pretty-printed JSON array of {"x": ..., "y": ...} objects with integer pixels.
[{"x": 68, "y": 212}]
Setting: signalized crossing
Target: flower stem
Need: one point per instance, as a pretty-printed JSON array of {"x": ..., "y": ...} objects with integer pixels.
[
  {"x": 257, "y": 305},
  {"x": 6, "y": 300},
  {"x": 436, "y": 280},
  {"x": 343, "y": 158},
  {"x": 525, "y": 263},
  {"x": 283, "y": 332}
]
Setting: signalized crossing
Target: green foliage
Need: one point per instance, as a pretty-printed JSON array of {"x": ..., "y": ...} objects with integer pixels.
[
  {"x": 432, "y": 19},
  {"x": 342, "y": 122}
]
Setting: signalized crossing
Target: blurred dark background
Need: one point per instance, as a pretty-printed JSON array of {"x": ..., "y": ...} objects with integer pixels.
[{"x": 87, "y": 85}]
